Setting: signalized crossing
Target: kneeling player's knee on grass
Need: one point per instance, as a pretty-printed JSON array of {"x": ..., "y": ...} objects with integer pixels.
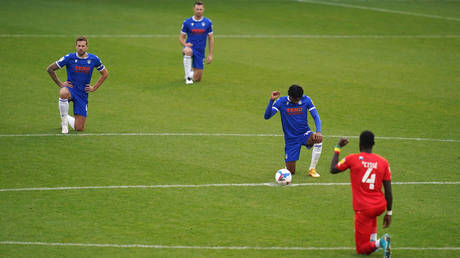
[{"x": 79, "y": 127}]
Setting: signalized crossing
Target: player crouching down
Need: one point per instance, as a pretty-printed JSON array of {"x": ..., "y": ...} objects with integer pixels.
[{"x": 294, "y": 110}]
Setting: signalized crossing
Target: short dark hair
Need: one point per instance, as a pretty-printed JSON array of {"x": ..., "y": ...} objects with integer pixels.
[
  {"x": 198, "y": 3},
  {"x": 366, "y": 140},
  {"x": 81, "y": 38},
  {"x": 295, "y": 91}
]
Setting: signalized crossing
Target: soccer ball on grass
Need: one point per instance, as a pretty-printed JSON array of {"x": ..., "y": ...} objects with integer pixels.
[{"x": 283, "y": 177}]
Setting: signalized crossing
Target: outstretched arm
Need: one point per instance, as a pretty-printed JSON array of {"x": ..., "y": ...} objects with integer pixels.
[
  {"x": 389, "y": 198},
  {"x": 335, "y": 159},
  {"x": 269, "y": 112}
]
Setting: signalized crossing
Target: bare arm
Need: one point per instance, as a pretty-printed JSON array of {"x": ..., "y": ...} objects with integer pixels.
[
  {"x": 335, "y": 159},
  {"x": 389, "y": 198},
  {"x": 104, "y": 75},
  {"x": 182, "y": 41},
  {"x": 211, "y": 48},
  {"x": 52, "y": 72}
]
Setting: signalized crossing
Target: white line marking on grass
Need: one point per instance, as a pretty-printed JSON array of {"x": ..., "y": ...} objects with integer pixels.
[
  {"x": 215, "y": 134},
  {"x": 206, "y": 185},
  {"x": 216, "y": 247},
  {"x": 380, "y": 10},
  {"x": 252, "y": 36}
]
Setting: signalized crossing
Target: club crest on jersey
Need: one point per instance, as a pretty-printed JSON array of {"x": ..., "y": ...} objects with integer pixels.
[
  {"x": 202, "y": 24},
  {"x": 361, "y": 158},
  {"x": 193, "y": 23},
  {"x": 89, "y": 61}
]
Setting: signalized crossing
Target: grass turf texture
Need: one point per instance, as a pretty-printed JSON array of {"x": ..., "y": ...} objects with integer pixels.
[{"x": 396, "y": 87}]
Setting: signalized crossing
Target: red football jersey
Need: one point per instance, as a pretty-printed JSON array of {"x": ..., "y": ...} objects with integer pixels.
[{"x": 367, "y": 172}]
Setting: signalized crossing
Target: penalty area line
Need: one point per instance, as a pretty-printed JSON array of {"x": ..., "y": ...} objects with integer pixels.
[
  {"x": 207, "y": 185},
  {"x": 312, "y": 248}
]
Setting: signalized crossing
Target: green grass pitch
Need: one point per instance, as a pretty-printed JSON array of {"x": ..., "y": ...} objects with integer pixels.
[{"x": 391, "y": 66}]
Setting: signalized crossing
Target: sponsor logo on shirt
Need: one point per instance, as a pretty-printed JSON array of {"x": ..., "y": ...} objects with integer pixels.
[
  {"x": 198, "y": 31},
  {"x": 294, "y": 111},
  {"x": 82, "y": 69}
]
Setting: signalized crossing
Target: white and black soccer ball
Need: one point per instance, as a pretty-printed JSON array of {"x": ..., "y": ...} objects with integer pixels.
[{"x": 283, "y": 177}]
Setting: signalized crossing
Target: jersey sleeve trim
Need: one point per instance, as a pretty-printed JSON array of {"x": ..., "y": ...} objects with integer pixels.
[
  {"x": 275, "y": 108},
  {"x": 100, "y": 68},
  {"x": 58, "y": 65},
  {"x": 312, "y": 108}
]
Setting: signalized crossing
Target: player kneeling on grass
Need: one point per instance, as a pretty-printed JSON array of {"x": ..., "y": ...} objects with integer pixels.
[
  {"x": 195, "y": 30},
  {"x": 368, "y": 171},
  {"x": 294, "y": 110},
  {"x": 79, "y": 67}
]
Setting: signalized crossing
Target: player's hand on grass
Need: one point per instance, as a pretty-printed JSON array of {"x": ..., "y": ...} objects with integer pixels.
[
  {"x": 386, "y": 221},
  {"x": 342, "y": 142},
  {"x": 275, "y": 95},
  {"x": 67, "y": 84},
  {"x": 89, "y": 88}
]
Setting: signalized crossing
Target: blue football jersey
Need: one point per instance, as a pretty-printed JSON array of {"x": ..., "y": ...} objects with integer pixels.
[
  {"x": 80, "y": 70},
  {"x": 197, "y": 32},
  {"x": 294, "y": 116}
]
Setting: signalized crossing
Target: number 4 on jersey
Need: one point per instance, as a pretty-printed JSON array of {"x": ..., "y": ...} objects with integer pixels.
[{"x": 370, "y": 180}]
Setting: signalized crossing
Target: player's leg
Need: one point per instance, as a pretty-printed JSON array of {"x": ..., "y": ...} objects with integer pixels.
[
  {"x": 198, "y": 66},
  {"x": 291, "y": 155},
  {"x": 364, "y": 229},
  {"x": 188, "y": 53},
  {"x": 64, "y": 97},
  {"x": 197, "y": 74},
  {"x": 290, "y": 165},
  {"x": 317, "y": 144},
  {"x": 384, "y": 241},
  {"x": 80, "y": 122},
  {"x": 80, "y": 109}
]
